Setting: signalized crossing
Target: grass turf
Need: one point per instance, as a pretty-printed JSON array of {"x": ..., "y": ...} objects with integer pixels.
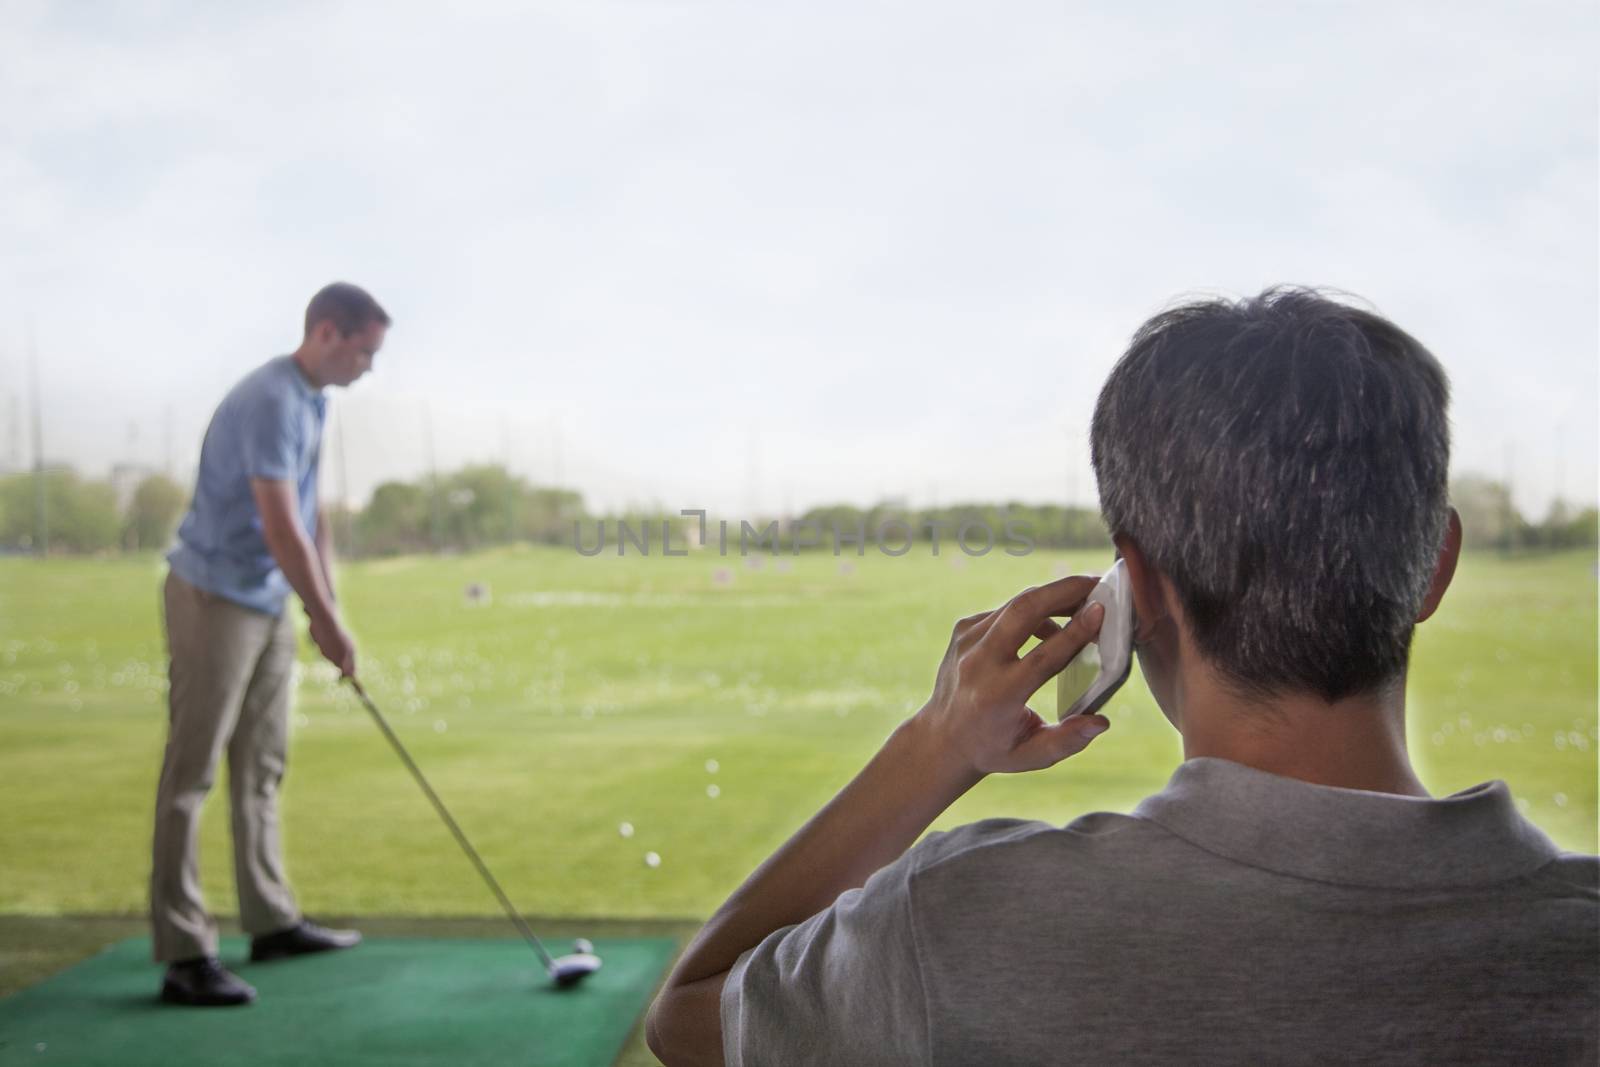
[
  {"x": 33, "y": 947},
  {"x": 593, "y": 692},
  {"x": 391, "y": 1001}
]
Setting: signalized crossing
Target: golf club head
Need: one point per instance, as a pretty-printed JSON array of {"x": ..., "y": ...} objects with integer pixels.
[{"x": 573, "y": 968}]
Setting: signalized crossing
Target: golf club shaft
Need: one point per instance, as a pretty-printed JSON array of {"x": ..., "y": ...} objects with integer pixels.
[{"x": 461, "y": 838}]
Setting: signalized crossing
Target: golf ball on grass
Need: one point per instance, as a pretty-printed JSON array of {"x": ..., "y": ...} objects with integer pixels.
[
  {"x": 652, "y": 859},
  {"x": 626, "y": 829}
]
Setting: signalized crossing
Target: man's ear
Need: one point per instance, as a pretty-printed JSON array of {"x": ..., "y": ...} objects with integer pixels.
[
  {"x": 1445, "y": 568},
  {"x": 1149, "y": 599}
]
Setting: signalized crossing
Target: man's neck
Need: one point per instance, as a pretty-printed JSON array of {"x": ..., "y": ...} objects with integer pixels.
[
  {"x": 1357, "y": 743},
  {"x": 303, "y": 361}
]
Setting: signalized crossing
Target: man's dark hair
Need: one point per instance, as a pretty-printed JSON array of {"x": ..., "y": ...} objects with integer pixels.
[
  {"x": 349, "y": 307},
  {"x": 1284, "y": 460}
]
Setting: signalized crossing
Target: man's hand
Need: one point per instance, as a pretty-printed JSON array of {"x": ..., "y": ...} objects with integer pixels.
[
  {"x": 979, "y": 708},
  {"x": 334, "y": 644}
]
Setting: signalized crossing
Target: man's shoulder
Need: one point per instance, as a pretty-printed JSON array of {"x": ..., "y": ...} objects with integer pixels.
[
  {"x": 1573, "y": 874},
  {"x": 266, "y": 393},
  {"x": 269, "y": 379},
  {"x": 990, "y": 843}
]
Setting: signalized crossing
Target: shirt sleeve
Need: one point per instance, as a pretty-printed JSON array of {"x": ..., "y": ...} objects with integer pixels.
[
  {"x": 270, "y": 438},
  {"x": 843, "y": 987}
]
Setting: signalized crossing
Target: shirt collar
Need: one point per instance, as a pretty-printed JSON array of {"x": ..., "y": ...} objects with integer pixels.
[
  {"x": 1348, "y": 836},
  {"x": 302, "y": 383},
  {"x": 303, "y": 387}
]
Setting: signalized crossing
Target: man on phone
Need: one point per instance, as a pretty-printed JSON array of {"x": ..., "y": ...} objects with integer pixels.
[
  {"x": 1273, "y": 472},
  {"x": 253, "y": 534}
]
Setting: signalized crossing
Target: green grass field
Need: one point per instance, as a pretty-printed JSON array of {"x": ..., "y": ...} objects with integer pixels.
[{"x": 594, "y": 692}]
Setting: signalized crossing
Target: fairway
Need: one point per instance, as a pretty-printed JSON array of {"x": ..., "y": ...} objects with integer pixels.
[{"x": 712, "y": 715}]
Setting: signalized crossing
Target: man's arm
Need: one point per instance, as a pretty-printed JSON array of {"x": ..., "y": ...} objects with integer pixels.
[
  {"x": 286, "y": 540},
  {"x": 325, "y": 553},
  {"x": 873, "y": 820},
  {"x": 976, "y": 723}
]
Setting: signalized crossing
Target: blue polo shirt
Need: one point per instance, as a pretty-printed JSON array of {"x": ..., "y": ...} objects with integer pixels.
[{"x": 268, "y": 426}]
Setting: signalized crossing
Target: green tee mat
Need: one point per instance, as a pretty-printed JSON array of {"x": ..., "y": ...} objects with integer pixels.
[{"x": 401, "y": 1001}]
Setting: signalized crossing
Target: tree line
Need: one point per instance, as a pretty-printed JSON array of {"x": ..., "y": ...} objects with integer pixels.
[
  {"x": 77, "y": 515},
  {"x": 485, "y": 504}
]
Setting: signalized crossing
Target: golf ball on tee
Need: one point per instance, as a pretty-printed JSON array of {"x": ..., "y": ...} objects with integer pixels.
[{"x": 652, "y": 859}]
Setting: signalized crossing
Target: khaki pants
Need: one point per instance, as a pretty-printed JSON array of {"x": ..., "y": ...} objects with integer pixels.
[{"x": 232, "y": 671}]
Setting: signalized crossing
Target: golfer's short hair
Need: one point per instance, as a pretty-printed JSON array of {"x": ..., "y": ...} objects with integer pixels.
[
  {"x": 349, "y": 307},
  {"x": 1284, "y": 460}
]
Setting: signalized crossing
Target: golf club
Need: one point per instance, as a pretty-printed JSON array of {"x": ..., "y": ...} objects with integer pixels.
[{"x": 563, "y": 970}]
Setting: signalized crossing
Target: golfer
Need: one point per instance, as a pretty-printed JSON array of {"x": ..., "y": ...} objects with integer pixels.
[
  {"x": 253, "y": 533},
  {"x": 1273, "y": 472}
]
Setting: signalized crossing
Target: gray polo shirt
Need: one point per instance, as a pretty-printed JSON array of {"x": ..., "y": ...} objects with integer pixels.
[{"x": 1234, "y": 917}]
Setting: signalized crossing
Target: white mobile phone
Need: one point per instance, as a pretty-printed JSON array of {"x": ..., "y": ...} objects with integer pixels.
[{"x": 1084, "y": 686}]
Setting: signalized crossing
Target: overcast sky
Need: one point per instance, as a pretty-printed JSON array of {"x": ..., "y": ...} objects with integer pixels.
[{"x": 757, "y": 256}]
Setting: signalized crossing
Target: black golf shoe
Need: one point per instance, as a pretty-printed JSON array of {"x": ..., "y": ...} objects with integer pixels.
[
  {"x": 203, "y": 982},
  {"x": 305, "y": 936}
]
